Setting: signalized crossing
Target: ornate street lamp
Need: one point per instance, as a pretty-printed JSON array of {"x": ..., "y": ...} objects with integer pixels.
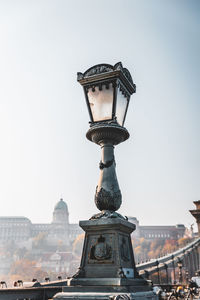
[
  {"x": 180, "y": 265},
  {"x": 107, "y": 269},
  {"x": 107, "y": 244},
  {"x": 186, "y": 276},
  {"x": 107, "y": 91},
  {"x": 166, "y": 270}
]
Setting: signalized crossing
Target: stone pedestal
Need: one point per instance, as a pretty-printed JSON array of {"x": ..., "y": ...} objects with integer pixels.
[{"x": 107, "y": 269}]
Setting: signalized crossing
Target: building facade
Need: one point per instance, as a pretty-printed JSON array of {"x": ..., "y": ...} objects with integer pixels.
[
  {"x": 58, "y": 262},
  {"x": 21, "y": 229},
  {"x": 157, "y": 231}
]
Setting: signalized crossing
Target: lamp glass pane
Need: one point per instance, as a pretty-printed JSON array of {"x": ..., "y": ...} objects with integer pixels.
[
  {"x": 122, "y": 102},
  {"x": 101, "y": 103}
]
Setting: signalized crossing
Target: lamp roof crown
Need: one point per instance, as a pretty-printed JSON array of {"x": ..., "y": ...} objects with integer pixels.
[{"x": 101, "y": 72}]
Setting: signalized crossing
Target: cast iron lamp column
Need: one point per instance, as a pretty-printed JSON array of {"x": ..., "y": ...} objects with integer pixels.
[
  {"x": 108, "y": 197},
  {"x": 107, "y": 90}
]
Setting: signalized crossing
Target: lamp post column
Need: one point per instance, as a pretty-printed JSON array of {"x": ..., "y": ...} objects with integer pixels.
[{"x": 108, "y": 196}]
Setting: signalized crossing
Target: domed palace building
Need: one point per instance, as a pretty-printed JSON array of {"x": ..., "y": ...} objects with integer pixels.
[{"x": 21, "y": 229}]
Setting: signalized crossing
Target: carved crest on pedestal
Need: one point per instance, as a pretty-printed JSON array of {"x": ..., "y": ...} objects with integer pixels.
[{"x": 100, "y": 250}]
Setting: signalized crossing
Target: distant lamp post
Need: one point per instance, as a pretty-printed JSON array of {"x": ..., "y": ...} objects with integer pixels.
[
  {"x": 186, "y": 276},
  {"x": 180, "y": 265},
  {"x": 107, "y": 91},
  {"x": 158, "y": 271},
  {"x": 166, "y": 270},
  {"x": 173, "y": 266}
]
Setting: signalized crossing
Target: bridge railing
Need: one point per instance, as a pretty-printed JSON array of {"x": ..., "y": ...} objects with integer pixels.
[{"x": 188, "y": 256}]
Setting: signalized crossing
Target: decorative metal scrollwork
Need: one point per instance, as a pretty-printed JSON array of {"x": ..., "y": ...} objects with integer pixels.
[
  {"x": 107, "y": 214},
  {"x": 80, "y": 273},
  {"x": 121, "y": 273},
  {"x": 106, "y": 165},
  {"x": 108, "y": 200}
]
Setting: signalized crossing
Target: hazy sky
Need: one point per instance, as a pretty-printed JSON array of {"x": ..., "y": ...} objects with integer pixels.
[{"x": 43, "y": 116}]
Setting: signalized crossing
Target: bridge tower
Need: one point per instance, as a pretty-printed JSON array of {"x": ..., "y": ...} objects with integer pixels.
[{"x": 196, "y": 214}]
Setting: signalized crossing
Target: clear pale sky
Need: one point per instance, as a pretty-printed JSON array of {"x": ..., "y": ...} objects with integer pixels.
[{"x": 43, "y": 116}]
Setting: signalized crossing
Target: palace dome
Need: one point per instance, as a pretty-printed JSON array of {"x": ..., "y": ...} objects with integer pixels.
[
  {"x": 60, "y": 213},
  {"x": 61, "y": 205}
]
